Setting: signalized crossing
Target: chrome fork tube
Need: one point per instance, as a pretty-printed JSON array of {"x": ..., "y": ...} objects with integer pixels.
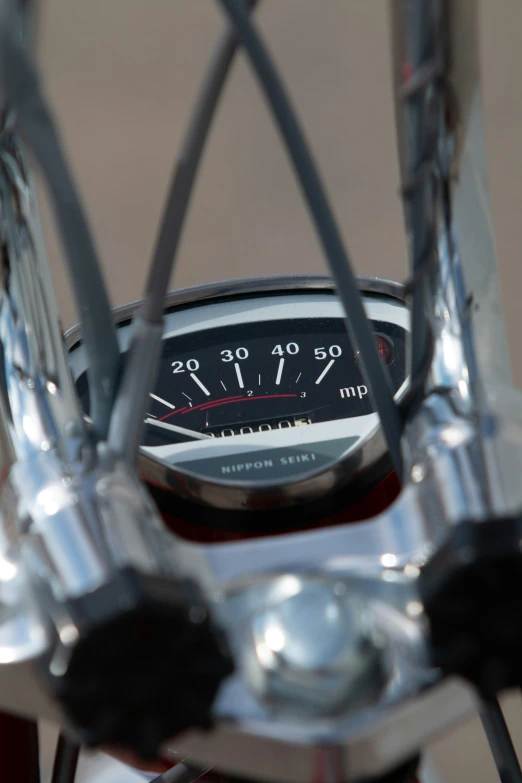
[
  {"x": 85, "y": 560},
  {"x": 73, "y": 495},
  {"x": 43, "y": 411},
  {"x": 465, "y": 447},
  {"x": 88, "y": 572},
  {"x": 455, "y": 287}
]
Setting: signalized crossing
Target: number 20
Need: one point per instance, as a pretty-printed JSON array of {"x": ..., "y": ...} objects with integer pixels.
[{"x": 191, "y": 364}]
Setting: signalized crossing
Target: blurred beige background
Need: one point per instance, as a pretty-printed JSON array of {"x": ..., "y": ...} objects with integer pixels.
[{"x": 122, "y": 74}]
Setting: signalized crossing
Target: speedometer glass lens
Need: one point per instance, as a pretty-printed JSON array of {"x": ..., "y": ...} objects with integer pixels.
[
  {"x": 268, "y": 392},
  {"x": 262, "y": 377}
]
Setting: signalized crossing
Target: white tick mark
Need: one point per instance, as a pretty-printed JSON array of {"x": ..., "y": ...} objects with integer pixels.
[
  {"x": 239, "y": 376},
  {"x": 330, "y": 363},
  {"x": 201, "y": 385},
  {"x": 279, "y": 371}
]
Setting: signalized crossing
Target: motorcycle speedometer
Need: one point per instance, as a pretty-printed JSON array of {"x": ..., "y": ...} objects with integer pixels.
[{"x": 260, "y": 398}]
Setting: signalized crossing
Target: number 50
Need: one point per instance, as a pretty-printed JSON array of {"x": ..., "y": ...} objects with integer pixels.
[{"x": 333, "y": 350}]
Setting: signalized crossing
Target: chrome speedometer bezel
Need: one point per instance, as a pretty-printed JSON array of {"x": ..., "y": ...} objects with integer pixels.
[{"x": 365, "y": 464}]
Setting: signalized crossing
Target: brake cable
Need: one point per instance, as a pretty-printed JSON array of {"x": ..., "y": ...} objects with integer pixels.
[
  {"x": 336, "y": 255},
  {"x": 140, "y": 367}
]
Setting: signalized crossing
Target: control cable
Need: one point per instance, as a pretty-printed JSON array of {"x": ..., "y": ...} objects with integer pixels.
[
  {"x": 140, "y": 368},
  {"x": 65, "y": 760},
  {"x": 376, "y": 376},
  {"x": 500, "y": 742}
]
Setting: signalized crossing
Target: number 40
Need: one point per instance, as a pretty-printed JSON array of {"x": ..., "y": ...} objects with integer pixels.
[{"x": 291, "y": 348}]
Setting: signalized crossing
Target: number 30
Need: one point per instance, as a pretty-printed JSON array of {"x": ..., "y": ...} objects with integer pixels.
[{"x": 228, "y": 356}]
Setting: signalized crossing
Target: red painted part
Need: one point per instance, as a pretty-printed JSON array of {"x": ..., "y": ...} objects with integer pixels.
[
  {"x": 18, "y": 750},
  {"x": 371, "y": 504}
]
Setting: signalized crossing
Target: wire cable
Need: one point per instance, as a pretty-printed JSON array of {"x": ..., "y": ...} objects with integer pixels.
[
  {"x": 501, "y": 744},
  {"x": 140, "y": 369},
  {"x": 357, "y": 323},
  {"x": 185, "y": 171},
  {"x": 422, "y": 232},
  {"x": 35, "y": 121},
  {"x": 65, "y": 760}
]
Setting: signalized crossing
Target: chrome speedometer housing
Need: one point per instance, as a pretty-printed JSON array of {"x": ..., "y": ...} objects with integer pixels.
[{"x": 286, "y": 453}]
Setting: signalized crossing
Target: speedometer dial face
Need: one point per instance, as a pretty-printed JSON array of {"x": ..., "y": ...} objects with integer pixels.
[
  {"x": 264, "y": 391},
  {"x": 261, "y": 377}
]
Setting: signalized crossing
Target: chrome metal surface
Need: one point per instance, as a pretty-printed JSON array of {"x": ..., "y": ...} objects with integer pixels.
[
  {"x": 314, "y": 649},
  {"x": 51, "y": 462},
  {"x": 40, "y": 390},
  {"x": 471, "y": 207},
  {"x": 459, "y": 286},
  {"x": 412, "y": 706},
  {"x": 374, "y": 748},
  {"x": 243, "y": 287},
  {"x": 71, "y": 515}
]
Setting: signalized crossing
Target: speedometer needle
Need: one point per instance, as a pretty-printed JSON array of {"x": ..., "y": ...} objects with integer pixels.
[{"x": 179, "y": 430}]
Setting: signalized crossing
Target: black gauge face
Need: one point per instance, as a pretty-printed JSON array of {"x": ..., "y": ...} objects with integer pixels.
[
  {"x": 233, "y": 381},
  {"x": 260, "y": 400}
]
